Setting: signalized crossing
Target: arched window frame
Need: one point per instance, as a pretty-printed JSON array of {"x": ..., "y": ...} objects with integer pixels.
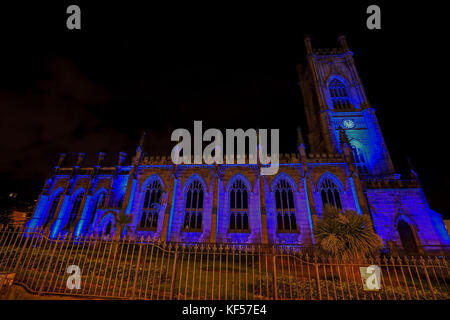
[
  {"x": 120, "y": 201},
  {"x": 108, "y": 228},
  {"x": 339, "y": 94},
  {"x": 52, "y": 209},
  {"x": 286, "y": 220},
  {"x": 107, "y": 220},
  {"x": 359, "y": 157},
  {"x": 99, "y": 203},
  {"x": 403, "y": 217},
  {"x": 74, "y": 210},
  {"x": 194, "y": 201},
  {"x": 238, "y": 204},
  {"x": 330, "y": 191},
  {"x": 151, "y": 206}
]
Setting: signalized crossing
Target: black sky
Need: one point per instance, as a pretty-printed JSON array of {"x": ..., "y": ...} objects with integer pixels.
[{"x": 135, "y": 67}]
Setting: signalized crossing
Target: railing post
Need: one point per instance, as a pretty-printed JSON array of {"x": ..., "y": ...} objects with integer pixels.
[
  {"x": 316, "y": 267},
  {"x": 133, "y": 291},
  {"x": 422, "y": 262},
  {"x": 50, "y": 262},
  {"x": 24, "y": 247},
  {"x": 275, "y": 285},
  {"x": 174, "y": 273}
]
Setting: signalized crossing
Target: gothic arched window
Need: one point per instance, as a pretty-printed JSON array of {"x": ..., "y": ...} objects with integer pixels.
[
  {"x": 339, "y": 95},
  {"x": 239, "y": 207},
  {"x": 194, "y": 207},
  {"x": 360, "y": 160},
  {"x": 99, "y": 203},
  {"x": 285, "y": 208},
  {"x": 120, "y": 202},
  {"x": 108, "y": 228},
  {"x": 330, "y": 194},
  {"x": 52, "y": 210},
  {"x": 76, "y": 206},
  {"x": 150, "y": 209}
]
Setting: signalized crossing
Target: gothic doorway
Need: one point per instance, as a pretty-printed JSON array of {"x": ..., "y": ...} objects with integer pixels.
[{"x": 408, "y": 237}]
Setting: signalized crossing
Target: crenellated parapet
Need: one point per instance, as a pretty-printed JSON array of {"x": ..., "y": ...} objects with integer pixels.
[
  {"x": 390, "y": 183},
  {"x": 328, "y": 51},
  {"x": 156, "y": 160},
  {"x": 325, "y": 157}
]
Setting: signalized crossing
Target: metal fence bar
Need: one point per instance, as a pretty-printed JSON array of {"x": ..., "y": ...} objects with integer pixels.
[{"x": 141, "y": 268}]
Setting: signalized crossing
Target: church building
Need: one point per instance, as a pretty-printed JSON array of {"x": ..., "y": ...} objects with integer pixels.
[{"x": 347, "y": 166}]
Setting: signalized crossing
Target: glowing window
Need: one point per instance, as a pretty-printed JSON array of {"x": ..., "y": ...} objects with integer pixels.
[
  {"x": 330, "y": 194},
  {"x": 239, "y": 207},
  {"x": 52, "y": 210},
  {"x": 339, "y": 95},
  {"x": 285, "y": 208},
  {"x": 120, "y": 202},
  {"x": 76, "y": 206},
  {"x": 360, "y": 160},
  {"x": 151, "y": 206},
  {"x": 100, "y": 203},
  {"x": 194, "y": 207}
]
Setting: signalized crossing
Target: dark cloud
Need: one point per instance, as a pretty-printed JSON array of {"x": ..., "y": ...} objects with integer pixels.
[{"x": 53, "y": 115}]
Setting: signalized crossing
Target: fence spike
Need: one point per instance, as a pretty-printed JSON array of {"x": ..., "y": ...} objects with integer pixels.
[
  {"x": 436, "y": 260},
  {"x": 377, "y": 260},
  {"x": 391, "y": 260},
  {"x": 421, "y": 260}
]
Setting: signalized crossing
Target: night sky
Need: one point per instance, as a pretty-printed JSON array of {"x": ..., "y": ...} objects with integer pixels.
[{"x": 133, "y": 67}]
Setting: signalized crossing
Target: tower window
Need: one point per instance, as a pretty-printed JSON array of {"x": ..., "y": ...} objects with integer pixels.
[
  {"x": 150, "y": 209},
  {"x": 285, "y": 208},
  {"x": 330, "y": 194},
  {"x": 239, "y": 207},
  {"x": 360, "y": 160},
  {"x": 339, "y": 95},
  {"x": 194, "y": 208}
]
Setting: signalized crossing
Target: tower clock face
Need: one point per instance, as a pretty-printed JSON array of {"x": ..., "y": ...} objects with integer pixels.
[{"x": 348, "y": 123}]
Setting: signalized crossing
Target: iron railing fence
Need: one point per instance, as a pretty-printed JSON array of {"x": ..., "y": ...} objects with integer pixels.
[{"x": 139, "y": 268}]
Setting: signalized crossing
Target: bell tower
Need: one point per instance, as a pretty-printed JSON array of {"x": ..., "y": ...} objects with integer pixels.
[{"x": 335, "y": 99}]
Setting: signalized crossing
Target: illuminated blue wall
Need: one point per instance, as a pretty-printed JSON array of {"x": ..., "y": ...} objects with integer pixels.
[
  {"x": 384, "y": 205},
  {"x": 390, "y": 205},
  {"x": 364, "y": 134}
]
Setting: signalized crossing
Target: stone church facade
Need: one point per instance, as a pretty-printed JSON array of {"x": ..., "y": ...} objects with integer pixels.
[{"x": 347, "y": 166}]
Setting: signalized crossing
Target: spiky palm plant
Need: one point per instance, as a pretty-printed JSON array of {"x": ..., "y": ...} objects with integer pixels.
[{"x": 345, "y": 234}]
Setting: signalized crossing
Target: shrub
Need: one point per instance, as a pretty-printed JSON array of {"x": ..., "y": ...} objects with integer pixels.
[{"x": 346, "y": 234}]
